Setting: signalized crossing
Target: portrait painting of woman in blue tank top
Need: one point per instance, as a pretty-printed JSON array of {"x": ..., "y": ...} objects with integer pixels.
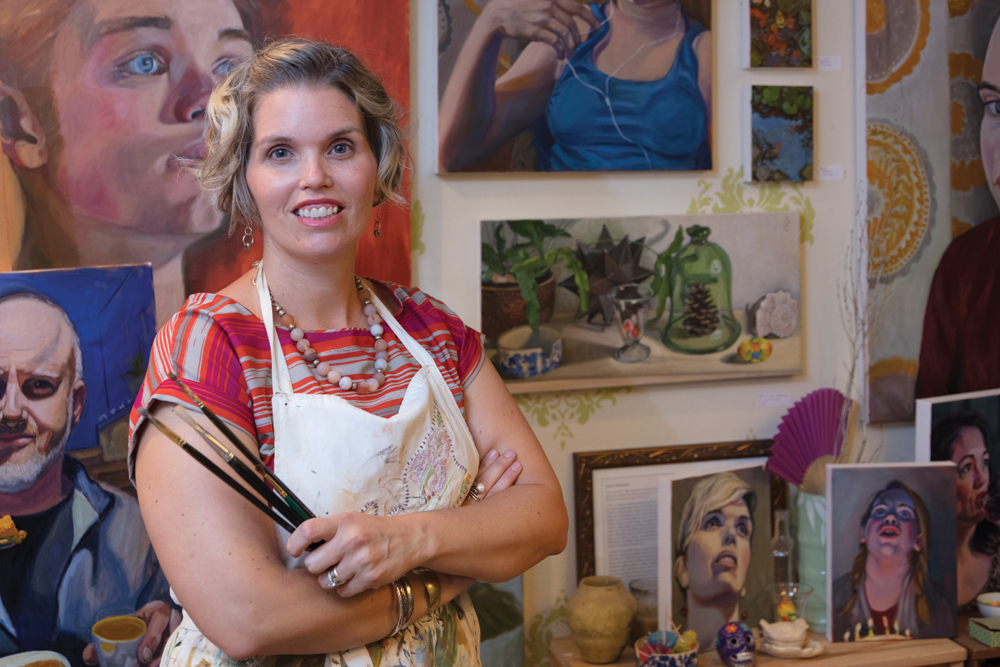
[{"x": 565, "y": 85}]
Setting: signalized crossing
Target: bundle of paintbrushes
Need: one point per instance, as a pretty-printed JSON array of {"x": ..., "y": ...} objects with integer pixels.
[{"x": 282, "y": 506}]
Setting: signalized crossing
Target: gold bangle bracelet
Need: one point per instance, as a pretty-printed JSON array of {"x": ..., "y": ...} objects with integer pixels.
[{"x": 432, "y": 586}]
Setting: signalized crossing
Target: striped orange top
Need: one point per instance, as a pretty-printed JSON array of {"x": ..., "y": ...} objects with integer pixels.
[{"x": 220, "y": 350}]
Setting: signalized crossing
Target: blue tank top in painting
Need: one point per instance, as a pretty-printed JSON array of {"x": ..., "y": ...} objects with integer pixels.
[{"x": 666, "y": 117}]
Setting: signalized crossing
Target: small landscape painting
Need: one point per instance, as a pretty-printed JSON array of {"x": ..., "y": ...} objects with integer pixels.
[
  {"x": 779, "y": 133},
  {"x": 599, "y": 302}
]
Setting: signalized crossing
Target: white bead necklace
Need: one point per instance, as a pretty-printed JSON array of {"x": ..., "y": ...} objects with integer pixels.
[{"x": 323, "y": 368}]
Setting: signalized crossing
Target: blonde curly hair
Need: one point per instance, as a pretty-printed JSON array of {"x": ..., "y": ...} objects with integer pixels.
[{"x": 282, "y": 63}]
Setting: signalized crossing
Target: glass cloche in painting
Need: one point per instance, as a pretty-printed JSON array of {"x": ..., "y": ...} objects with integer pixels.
[{"x": 701, "y": 311}]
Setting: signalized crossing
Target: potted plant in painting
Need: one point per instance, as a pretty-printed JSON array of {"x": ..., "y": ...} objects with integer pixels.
[{"x": 518, "y": 288}]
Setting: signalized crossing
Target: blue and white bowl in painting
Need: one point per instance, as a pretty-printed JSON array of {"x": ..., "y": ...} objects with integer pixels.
[
  {"x": 524, "y": 353},
  {"x": 686, "y": 659}
]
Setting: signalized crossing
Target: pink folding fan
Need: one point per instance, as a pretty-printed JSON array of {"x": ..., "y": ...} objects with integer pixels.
[{"x": 810, "y": 436}]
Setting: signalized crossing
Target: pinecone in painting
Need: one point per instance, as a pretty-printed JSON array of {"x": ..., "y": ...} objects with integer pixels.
[{"x": 701, "y": 315}]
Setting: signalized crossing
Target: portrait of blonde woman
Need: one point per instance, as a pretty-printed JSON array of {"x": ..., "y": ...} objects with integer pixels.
[{"x": 724, "y": 519}]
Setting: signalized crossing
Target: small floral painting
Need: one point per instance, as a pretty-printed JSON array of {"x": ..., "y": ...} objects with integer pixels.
[{"x": 780, "y": 33}]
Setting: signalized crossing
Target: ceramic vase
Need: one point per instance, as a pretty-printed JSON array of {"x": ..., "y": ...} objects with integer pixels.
[
  {"x": 503, "y": 306},
  {"x": 600, "y": 618},
  {"x": 524, "y": 353},
  {"x": 809, "y": 520}
]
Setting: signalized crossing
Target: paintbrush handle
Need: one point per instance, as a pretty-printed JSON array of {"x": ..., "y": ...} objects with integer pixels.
[
  {"x": 277, "y": 500},
  {"x": 273, "y": 479},
  {"x": 217, "y": 471},
  {"x": 233, "y": 484}
]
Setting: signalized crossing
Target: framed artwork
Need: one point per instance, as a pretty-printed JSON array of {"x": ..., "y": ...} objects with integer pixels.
[
  {"x": 74, "y": 344},
  {"x": 612, "y": 484},
  {"x": 778, "y": 133},
  {"x": 511, "y": 100},
  {"x": 99, "y": 178},
  {"x": 668, "y": 299},
  {"x": 777, "y": 33},
  {"x": 965, "y": 429},
  {"x": 898, "y": 519},
  {"x": 933, "y": 220},
  {"x": 109, "y": 314},
  {"x": 500, "y": 609},
  {"x": 714, "y": 557}
]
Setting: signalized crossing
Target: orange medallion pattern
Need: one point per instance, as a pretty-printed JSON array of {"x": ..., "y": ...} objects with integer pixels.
[{"x": 898, "y": 199}]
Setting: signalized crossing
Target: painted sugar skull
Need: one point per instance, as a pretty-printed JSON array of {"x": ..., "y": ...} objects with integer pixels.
[{"x": 736, "y": 645}]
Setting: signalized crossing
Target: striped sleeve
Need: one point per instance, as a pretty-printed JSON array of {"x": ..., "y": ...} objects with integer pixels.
[
  {"x": 195, "y": 346},
  {"x": 443, "y": 333}
]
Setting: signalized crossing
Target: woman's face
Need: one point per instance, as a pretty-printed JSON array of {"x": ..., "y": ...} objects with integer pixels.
[
  {"x": 973, "y": 464},
  {"x": 719, "y": 552},
  {"x": 311, "y": 172},
  {"x": 989, "y": 131},
  {"x": 892, "y": 530}
]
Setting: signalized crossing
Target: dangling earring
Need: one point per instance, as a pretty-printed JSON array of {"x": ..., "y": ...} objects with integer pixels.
[
  {"x": 248, "y": 237},
  {"x": 378, "y": 226}
]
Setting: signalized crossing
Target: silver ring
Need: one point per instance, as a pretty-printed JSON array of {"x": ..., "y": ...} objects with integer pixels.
[
  {"x": 478, "y": 489},
  {"x": 334, "y": 578}
]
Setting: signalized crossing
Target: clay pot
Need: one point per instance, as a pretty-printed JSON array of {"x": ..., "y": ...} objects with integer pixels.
[
  {"x": 503, "y": 308},
  {"x": 600, "y": 618}
]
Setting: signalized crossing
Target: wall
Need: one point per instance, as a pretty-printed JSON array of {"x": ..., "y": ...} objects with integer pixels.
[{"x": 446, "y": 262}]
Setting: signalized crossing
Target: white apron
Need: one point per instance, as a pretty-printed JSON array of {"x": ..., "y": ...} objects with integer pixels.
[{"x": 339, "y": 458}]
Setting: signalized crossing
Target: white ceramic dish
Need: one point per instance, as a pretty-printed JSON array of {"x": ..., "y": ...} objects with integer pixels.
[
  {"x": 28, "y": 657},
  {"x": 811, "y": 650},
  {"x": 986, "y": 609}
]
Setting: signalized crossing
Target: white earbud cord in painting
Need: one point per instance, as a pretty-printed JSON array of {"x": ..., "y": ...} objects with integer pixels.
[{"x": 606, "y": 95}]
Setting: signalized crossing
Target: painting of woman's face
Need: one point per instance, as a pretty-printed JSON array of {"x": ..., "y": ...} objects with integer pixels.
[
  {"x": 718, "y": 554},
  {"x": 892, "y": 530},
  {"x": 989, "y": 131},
  {"x": 972, "y": 462}
]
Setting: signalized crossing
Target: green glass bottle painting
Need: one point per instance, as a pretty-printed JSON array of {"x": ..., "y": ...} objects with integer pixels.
[{"x": 701, "y": 313}]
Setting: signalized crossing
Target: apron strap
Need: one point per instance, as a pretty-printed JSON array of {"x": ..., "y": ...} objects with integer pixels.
[
  {"x": 422, "y": 356},
  {"x": 280, "y": 377},
  {"x": 425, "y": 360}
]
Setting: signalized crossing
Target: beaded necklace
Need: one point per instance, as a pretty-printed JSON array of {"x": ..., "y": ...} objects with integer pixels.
[{"x": 325, "y": 369}]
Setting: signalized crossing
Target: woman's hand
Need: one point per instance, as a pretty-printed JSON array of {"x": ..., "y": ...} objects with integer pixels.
[
  {"x": 496, "y": 473},
  {"x": 372, "y": 551},
  {"x": 549, "y": 21}
]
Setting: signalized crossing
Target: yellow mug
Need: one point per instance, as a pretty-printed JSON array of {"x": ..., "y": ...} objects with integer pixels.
[{"x": 117, "y": 639}]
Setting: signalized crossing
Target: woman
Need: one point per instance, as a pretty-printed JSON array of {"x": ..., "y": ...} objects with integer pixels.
[
  {"x": 620, "y": 85},
  {"x": 713, "y": 552},
  {"x": 364, "y": 422},
  {"x": 962, "y": 439},
  {"x": 887, "y": 591}
]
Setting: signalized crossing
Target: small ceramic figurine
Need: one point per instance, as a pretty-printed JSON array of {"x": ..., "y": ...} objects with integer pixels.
[
  {"x": 736, "y": 645},
  {"x": 788, "y": 639}
]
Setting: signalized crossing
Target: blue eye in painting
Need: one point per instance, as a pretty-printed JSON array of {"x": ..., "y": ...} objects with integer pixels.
[{"x": 143, "y": 64}]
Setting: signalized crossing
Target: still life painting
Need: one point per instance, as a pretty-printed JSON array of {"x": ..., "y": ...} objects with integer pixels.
[
  {"x": 592, "y": 302},
  {"x": 891, "y": 552},
  {"x": 512, "y": 97},
  {"x": 778, "y": 133},
  {"x": 714, "y": 563},
  {"x": 777, "y": 33}
]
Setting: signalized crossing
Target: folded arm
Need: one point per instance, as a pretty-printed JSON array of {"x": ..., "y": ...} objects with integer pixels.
[
  {"x": 493, "y": 540},
  {"x": 223, "y": 559}
]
